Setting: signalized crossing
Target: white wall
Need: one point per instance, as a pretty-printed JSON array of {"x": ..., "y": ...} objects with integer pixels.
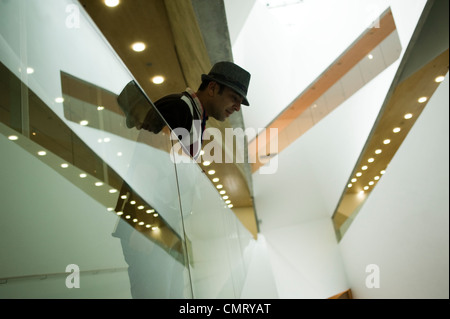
[
  {"x": 285, "y": 59},
  {"x": 306, "y": 261},
  {"x": 260, "y": 281},
  {"x": 296, "y": 203},
  {"x": 237, "y": 11},
  {"x": 403, "y": 226}
]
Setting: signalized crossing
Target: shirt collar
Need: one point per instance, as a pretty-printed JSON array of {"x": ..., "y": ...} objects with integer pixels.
[{"x": 197, "y": 102}]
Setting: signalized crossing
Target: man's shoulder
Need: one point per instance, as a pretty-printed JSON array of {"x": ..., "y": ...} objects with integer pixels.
[
  {"x": 171, "y": 102},
  {"x": 171, "y": 98}
]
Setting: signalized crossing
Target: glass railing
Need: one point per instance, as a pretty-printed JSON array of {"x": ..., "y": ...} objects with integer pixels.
[{"x": 90, "y": 207}]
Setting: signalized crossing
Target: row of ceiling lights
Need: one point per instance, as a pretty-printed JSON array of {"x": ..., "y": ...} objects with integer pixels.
[
  {"x": 211, "y": 172},
  {"x": 407, "y": 116},
  {"x": 136, "y": 46},
  {"x": 216, "y": 181},
  {"x": 42, "y": 153}
]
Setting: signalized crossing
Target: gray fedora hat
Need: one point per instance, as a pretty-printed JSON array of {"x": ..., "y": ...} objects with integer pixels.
[{"x": 232, "y": 76}]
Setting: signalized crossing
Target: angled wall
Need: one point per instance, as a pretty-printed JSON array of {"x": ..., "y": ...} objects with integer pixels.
[{"x": 403, "y": 228}]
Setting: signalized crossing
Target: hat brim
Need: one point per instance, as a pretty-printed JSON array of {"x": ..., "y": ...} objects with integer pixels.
[
  {"x": 228, "y": 84},
  {"x": 130, "y": 122}
]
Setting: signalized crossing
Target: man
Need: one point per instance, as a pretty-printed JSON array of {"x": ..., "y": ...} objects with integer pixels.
[{"x": 221, "y": 93}]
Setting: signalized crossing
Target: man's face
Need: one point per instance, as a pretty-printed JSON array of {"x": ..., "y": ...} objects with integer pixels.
[{"x": 224, "y": 103}]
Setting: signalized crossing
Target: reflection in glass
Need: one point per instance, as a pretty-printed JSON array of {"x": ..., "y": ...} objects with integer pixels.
[
  {"x": 146, "y": 238},
  {"x": 82, "y": 186}
]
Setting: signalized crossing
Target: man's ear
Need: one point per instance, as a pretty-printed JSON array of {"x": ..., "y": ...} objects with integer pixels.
[{"x": 211, "y": 87}]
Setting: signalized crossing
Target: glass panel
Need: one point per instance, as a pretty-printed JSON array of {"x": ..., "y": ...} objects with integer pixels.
[
  {"x": 90, "y": 206},
  {"x": 215, "y": 238}
]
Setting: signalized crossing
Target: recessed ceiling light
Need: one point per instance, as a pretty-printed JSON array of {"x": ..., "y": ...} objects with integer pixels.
[
  {"x": 84, "y": 123},
  {"x": 149, "y": 211},
  {"x": 386, "y": 141},
  {"x": 120, "y": 213},
  {"x": 364, "y": 168},
  {"x": 382, "y": 172},
  {"x": 376, "y": 178},
  {"x": 370, "y": 160},
  {"x": 222, "y": 192},
  {"x": 158, "y": 79},
  {"x": 366, "y": 188},
  {"x": 133, "y": 202},
  {"x": 228, "y": 202},
  {"x": 211, "y": 172},
  {"x": 370, "y": 56},
  {"x": 83, "y": 175},
  {"x": 354, "y": 180},
  {"x": 396, "y": 130},
  {"x": 206, "y": 163},
  {"x": 371, "y": 183},
  {"x": 42, "y": 153},
  {"x": 98, "y": 184},
  {"x": 215, "y": 180},
  {"x": 64, "y": 165},
  {"x": 220, "y": 186},
  {"x": 349, "y": 185},
  {"x": 378, "y": 151},
  {"x": 113, "y": 190},
  {"x": 408, "y": 116},
  {"x": 112, "y": 3},
  {"x": 155, "y": 215},
  {"x": 423, "y": 99},
  {"x": 100, "y": 108},
  {"x": 439, "y": 79},
  {"x": 59, "y": 100},
  {"x": 358, "y": 174},
  {"x": 138, "y": 46},
  {"x": 225, "y": 197},
  {"x": 13, "y": 137},
  {"x": 30, "y": 70}
]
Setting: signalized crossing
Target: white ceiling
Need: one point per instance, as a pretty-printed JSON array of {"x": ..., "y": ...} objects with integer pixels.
[{"x": 286, "y": 48}]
